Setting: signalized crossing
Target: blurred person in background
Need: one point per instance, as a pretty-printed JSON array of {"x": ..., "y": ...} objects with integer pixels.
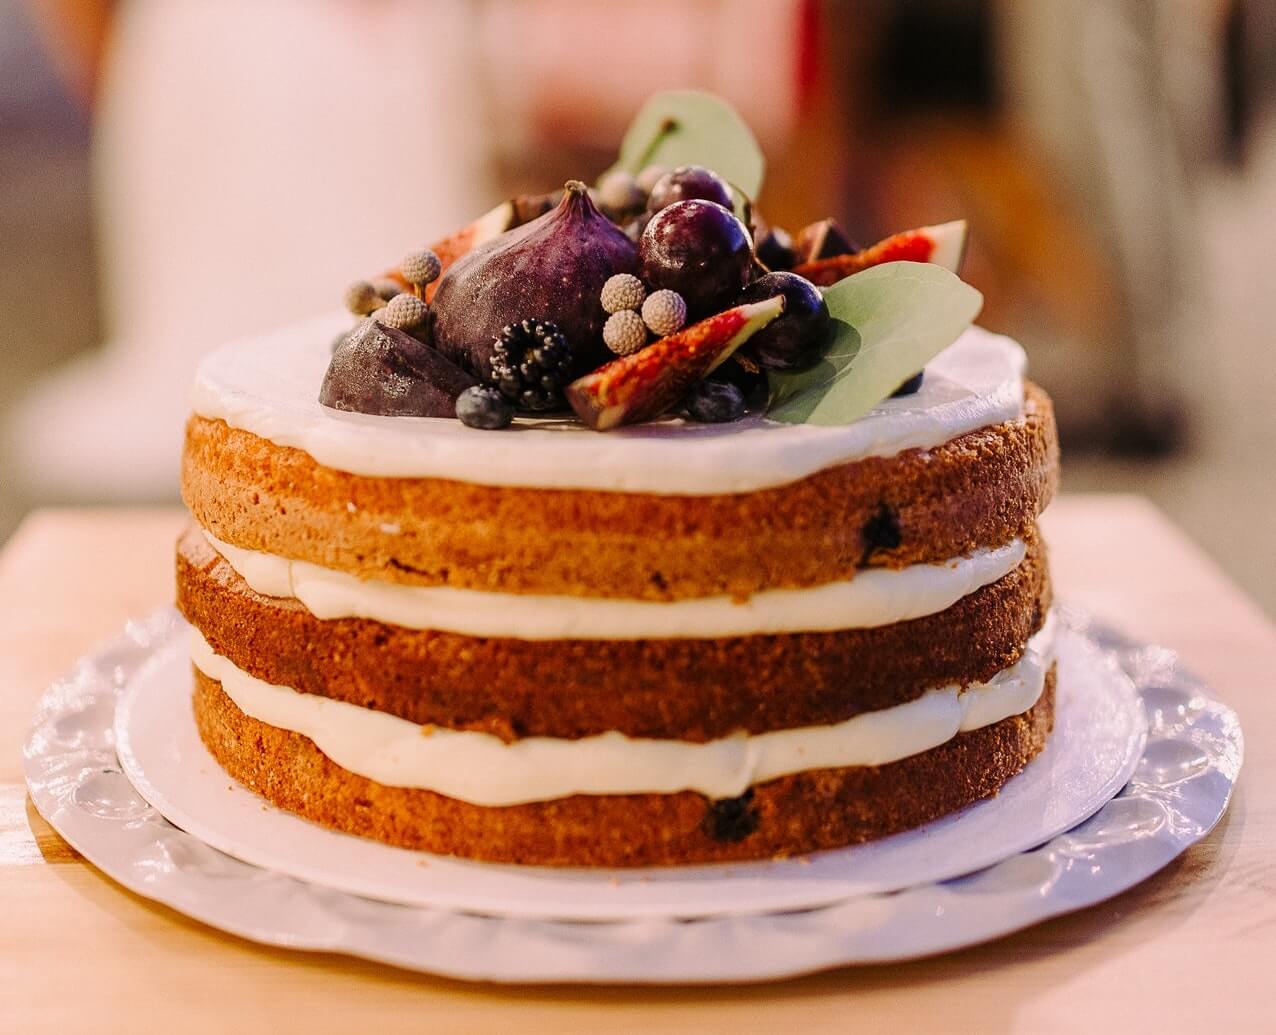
[
  {"x": 247, "y": 157},
  {"x": 251, "y": 158}
]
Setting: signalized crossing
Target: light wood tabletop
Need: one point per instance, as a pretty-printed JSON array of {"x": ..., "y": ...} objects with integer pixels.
[{"x": 1192, "y": 949}]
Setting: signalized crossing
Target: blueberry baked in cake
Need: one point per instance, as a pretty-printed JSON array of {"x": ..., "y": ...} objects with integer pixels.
[{"x": 621, "y": 528}]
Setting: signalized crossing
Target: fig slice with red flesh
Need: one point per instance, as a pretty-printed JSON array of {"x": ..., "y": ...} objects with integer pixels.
[
  {"x": 644, "y": 385},
  {"x": 944, "y": 245},
  {"x": 505, "y": 216},
  {"x": 456, "y": 245},
  {"x": 490, "y": 224}
]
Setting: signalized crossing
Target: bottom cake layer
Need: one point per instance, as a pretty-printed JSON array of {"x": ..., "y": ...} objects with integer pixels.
[{"x": 803, "y": 812}]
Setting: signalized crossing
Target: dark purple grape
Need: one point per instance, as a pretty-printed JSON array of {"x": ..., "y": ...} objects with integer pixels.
[
  {"x": 797, "y": 337},
  {"x": 714, "y": 402},
  {"x": 687, "y": 182},
  {"x": 700, "y": 250}
]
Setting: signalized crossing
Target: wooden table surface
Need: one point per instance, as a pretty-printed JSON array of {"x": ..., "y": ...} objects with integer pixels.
[{"x": 1192, "y": 949}]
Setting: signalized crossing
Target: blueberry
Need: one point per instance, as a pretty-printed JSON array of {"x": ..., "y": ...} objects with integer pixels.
[
  {"x": 911, "y": 386},
  {"x": 730, "y": 819},
  {"x": 484, "y": 407},
  {"x": 715, "y": 402},
  {"x": 881, "y": 531}
]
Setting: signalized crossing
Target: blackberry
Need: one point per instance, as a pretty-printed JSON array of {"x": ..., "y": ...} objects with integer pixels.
[{"x": 531, "y": 364}]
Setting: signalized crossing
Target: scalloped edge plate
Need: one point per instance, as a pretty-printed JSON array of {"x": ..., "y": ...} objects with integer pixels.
[
  {"x": 1180, "y": 789},
  {"x": 1099, "y": 734}
]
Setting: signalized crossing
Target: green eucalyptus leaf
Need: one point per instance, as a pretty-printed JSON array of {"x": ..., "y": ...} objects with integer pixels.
[
  {"x": 888, "y": 322},
  {"x": 690, "y": 127}
]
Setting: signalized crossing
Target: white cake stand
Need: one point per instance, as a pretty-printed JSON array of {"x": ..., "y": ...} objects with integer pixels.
[{"x": 752, "y": 921}]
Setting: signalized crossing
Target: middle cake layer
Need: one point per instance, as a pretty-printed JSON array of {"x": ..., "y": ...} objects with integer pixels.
[{"x": 688, "y": 689}]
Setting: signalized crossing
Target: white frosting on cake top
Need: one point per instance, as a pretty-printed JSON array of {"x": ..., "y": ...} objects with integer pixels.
[{"x": 269, "y": 386}]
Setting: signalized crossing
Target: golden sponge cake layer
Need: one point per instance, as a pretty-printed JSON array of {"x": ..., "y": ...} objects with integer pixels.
[
  {"x": 681, "y": 689},
  {"x": 818, "y": 809},
  {"x": 981, "y": 489}
]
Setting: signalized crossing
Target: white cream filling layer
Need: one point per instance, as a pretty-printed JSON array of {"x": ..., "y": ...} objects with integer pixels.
[
  {"x": 269, "y": 385},
  {"x": 874, "y": 597},
  {"x": 484, "y": 770}
]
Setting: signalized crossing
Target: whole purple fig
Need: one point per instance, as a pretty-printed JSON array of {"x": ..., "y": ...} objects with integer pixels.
[{"x": 552, "y": 268}]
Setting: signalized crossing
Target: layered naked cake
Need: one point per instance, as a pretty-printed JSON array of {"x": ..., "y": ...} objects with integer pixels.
[
  {"x": 673, "y": 643},
  {"x": 621, "y": 527}
]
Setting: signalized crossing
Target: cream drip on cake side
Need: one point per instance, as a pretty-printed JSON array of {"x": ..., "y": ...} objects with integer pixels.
[
  {"x": 484, "y": 770},
  {"x": 269, "y": 386},
  {"x": 874, "y": 597}
]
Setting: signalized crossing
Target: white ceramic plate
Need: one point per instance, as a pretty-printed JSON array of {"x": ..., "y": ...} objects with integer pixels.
[
  {"x": 1098, "y": 738},
  {"x": 1179, "y": 790}
]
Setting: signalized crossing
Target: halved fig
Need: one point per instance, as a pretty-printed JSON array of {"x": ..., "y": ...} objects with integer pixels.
[
  {"x": 385, "y": 371},
  {"x": 944, "y": 245},
  {"x": 644, "y": 385}
]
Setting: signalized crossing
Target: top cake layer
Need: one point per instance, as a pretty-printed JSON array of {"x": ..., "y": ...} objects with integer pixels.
[{"x": 267, "y": 386}]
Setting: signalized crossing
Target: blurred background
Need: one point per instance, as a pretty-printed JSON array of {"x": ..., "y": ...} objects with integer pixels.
[{"x": 176, "y": 172}]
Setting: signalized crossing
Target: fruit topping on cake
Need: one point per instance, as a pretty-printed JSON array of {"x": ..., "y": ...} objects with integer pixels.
[
  {"x": 483, "y": 406},
  {"x": 772, "y": 245},
  {"x": 385, "y": 371},
  {"x": 687, "y": 183},
  {"x": 700, "y": 250},
  {"x": 531, "y": 364},
  {"x": 714, "y": 402},
  {"x": 943, "y": 245},
  {"x": 620, "y": 196},
  {"x": 648, "y": 383},
  {"x": 552, "y": 268},
  {"x": 823, "y": 239},
  {"x": 797, "y": 339},
  {"x": 582, "y": 298}
]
